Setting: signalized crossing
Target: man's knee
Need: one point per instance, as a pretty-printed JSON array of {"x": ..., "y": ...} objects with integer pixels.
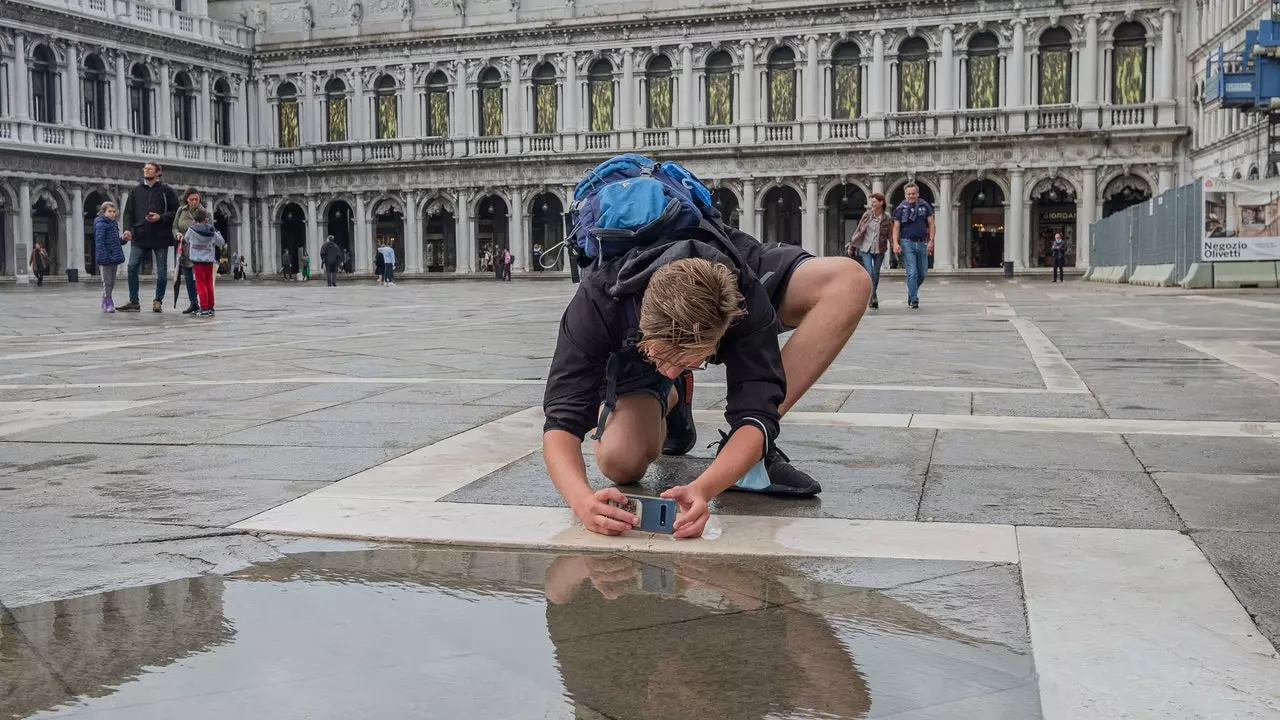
[
  {"x": 623, "y": 463},
  {"x": 847, "y": 281}
]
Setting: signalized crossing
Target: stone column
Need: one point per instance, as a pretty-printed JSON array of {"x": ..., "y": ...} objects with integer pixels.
[
  {"x": 946, "y": 84},
  {"x": 749, "y": 83},
  {"x": 358, "y": 111},
  {"x": 72, "y": 88},
  {"x": 571, "y": 93},
  {"x": 165, "y": 121},
  {"x": 409, "y": 125},
  {"x": 877, "y": 186},
  {"x": 811, "y": 77},
  {"x": 266, "y": 131},
  {"x": 944, "y": 246},
  {"x": 1017, "y": 77},
  {"x": 308, "y": 128},
  {"x": 1089, "y": 73},
  {"x": 21, "y": 94},
  {"x": 244, "y": 234},
  {"x": 876, "y": 99},
  {"x": 205, "y": 115},
  {"x": 75, "y": 243},
  {"x": 461, "y": 113},
  {"x": 1014, "y": 240},
  {"x": 121, "y": 115},
  {"x": 363, "y": 242},
  {"x": 270, "y": 256},
  {"x": 22, "y": 244},
  {"x": 313, "y": 231},
  {"x": 809, "y": 233},
  {"x": 1167, "y": 70},
  {"x": 627, "y": 107},
  {"x": 1086, "y": 215},
  {"x": 1165, "y": 179},
  {"x": 516, "y": 232},
  {"x": 412, "y": 236},
  {"x": 748, "y": 214},
  {"x": 240, "y": 116},
  {"x": 688, "y": 111}
]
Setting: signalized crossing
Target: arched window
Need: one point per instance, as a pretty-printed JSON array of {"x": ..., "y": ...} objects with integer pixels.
[
  {"x": 846, "y": 76},
  {"x": 94, "y": 105},
  {"x": 545, "y": 102},
  {"x": 141, "y": 94},
  {"x": 287, "y": 115},
  {"x": 984, "y": 72},
  {"x": 600, "y": 78},
  {"x": 782, "y": 85},
  {"x": 386, "y": 107},
  {"x": 222, "y": 122},
  {"x": 490, "y": 103},
  {"x": 658, "y": 92},
  {"x": 1129, "y": 65},
  {"x": 184, "y": 108},
  {"x": 913, "y": 76},
  {"x": 335, "y": 111},
  {"x": 437, "y": 105},
  {"x": 44, "y": 85},
  {"x": 720, "y": 89},
  {"x": 1055, "y": 67}
]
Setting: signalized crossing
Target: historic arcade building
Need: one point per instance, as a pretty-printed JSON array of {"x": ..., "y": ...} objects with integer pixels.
[{"x": 456, "y": 127}]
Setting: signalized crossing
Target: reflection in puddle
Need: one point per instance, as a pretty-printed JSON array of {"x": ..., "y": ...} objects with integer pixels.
[{"x": 431, "y": 633}]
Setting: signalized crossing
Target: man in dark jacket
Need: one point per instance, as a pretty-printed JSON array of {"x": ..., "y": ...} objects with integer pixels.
[
  {"x": 331, "y": 257},
  {"x": 641, "y": 322},
  {"x": 148, "y": 220}
]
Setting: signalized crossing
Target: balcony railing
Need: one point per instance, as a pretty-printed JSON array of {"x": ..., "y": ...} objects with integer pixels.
[
  {"x": 844, "y": 130},
  {"x": 983, "y": 122},
  {"x": 90, "y": 141},
  {"x": 655, "y": 138},
  {"x": 542, "y": 143},
  {"x": 1129, "y": 116},
  {"x": 782, "y": 132},
  {"x": 1056, "y": 117},
  {"x": 716, "y": 136},
  {"x": 434, "y": 148},
  {"x": 910, "y": 125},
  {"x": 599, "y": 141}
]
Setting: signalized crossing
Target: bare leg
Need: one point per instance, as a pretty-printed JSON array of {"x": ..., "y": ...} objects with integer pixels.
[
  {"x": 824, "y": 302},
  {"x": 632, "y": 440}
]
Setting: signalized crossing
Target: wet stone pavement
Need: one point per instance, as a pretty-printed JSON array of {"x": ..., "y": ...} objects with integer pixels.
[{"x": 1057, "y": 501}]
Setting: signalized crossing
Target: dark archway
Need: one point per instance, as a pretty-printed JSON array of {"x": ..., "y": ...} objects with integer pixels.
[
  {"x": 293, "y": 237},
  {"x": 1053, "y": 210},
  {"x": 845, "y": 206},
  {"x": 726, "y": 203},
  {"x": 1126, "y": 191},
  {"x": 439, "y": 240},
  {"x": 45, "y": 229},
  {"x": 388, "y": 227},
  {"x": 90, "y": 210},
  {"x": 546, "y": 230},
  {"x": 782, "y": 216},
  {"x": 491, "y": 231},
  {"x": 340, "y": 223},
  {"x": 982, "y": 206},
  {"x": 222, "y": 221}
]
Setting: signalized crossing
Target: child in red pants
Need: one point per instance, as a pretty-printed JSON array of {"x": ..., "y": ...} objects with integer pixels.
[{"x": 203, "y": 240}]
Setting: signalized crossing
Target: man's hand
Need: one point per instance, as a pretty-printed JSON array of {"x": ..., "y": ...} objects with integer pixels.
[
  {"x": 597, "y": 515},
  {"x": 153, "y": 217},
  {"x": 128, "y": 235},
  {"x": 897, "y": 249},
  {"x": 929, "y": 247},
  {"x": 693, "y": 514}
]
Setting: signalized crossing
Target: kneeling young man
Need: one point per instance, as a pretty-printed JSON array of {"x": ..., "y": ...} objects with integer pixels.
[{"x": 641, "y": 322}]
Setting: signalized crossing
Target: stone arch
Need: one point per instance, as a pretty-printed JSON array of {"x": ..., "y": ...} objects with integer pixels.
[
  {"x": 382, "y": 203},
  {"x": 778, "y": 182},
  {"x": 54, "y": 194},
  {"x": 473, "y": 204},
  {"x": 767, "y": 49},
  {"x": 479, "y": 69},
  {"x": 963, "y": 39},
  {"x": 326, "y": 203},
  {"x": 919, "y": 181},
  {"x": 1037, "y": 30},
  {"x": 8, "y": 196},
  {"x": 835, "y": 182},
  {"x": 828, "y": 49},
  {"x": 534, "y": 193},
  {"x": 227, "y": 207},
  {"x": 586, "y": 60},
  {"x": 893, "y": 48},
  {"x": 961, "y": 180},
  {"x": 727, "y": 200},
  {"x": 702, "y": 53},
  {"x": 277, "y": 210},
  {"x": 441, "y": 200},
  {"x": 1040, "y": 184},
  {"x": 58, "y": 55},
  {"x": 1105, "y": 179},
  {"x": 1151, "y": 29}
]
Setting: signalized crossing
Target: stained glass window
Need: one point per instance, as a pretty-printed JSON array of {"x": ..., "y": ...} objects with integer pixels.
[
  {"x": 659, "y": 89},
  {"x": 601, "y": 80},
  {"x": 1129, "y": 65},
  {"x": 1055, "y": 67},
  {"x": 335, "y": 92},
  {"x": 913, "y": 76},
  {"x": 984, "y": 72},
  {"x": 720, "y": 89},
  {"x": 490, "y": 103},
  {"x": 782, "y": 86},
  {"x": 437, "y": 105},
  {"x": 287, "y": 110},
  {"x": 845, "y": 86},
  {"x": 545, "y": 100}
]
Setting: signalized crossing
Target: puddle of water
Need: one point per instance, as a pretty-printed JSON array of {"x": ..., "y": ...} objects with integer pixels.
[{"x": 442, "y": 633}]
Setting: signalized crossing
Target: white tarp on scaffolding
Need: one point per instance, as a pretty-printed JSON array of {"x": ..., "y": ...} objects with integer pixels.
[{"x": 1241, "y": 220}]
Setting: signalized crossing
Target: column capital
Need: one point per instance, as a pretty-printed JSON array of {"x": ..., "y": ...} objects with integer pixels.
[
  {"x": 1018, "y": 22},
  {"x": 626, "y": 51},
  {"x": 948, "y": 28},
  {"x": 1167, "y": 11},
  {"x": 945, "y": 174},
  {"x": 686, "y": 47}
]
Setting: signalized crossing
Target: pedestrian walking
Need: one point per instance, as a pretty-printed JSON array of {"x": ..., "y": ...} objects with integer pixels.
[
  {"x": 331, "y": 258},
  {"x": 39, "y": 263},
  {"x": 149, "y": 220},
  {"x": 913, "y": 230},
  {"x": 388, "y": 263},
  {"x": 1059, "y": 249},
  {"x": 182, "y": 222},
  {"x": 306, "y": 266},
  {"x": 108, "y": 252},
  {"x": 870, "y": 242},
  {"x": 507, "y": 259},
  {"x": 285, "y": 261},
  {"x": 203, "y": 240}
]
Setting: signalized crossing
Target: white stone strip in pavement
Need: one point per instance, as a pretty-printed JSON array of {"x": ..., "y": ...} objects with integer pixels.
[
  {"x": 1054, "y": 368},
  {"x": 1144, "y": 324},
  {"x": 1234, "y": 301},
  {"x": 16, "y": 417},
  {"x": 438, "y": 469},
  {"x": 76, "y": 349},
  {"x": 1242, "y": 355},
  {"x": 1137, "y": 624},
  {"x": 556, "y": 528}
]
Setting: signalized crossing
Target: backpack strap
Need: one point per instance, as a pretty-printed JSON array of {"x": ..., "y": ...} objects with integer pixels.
[{"x": 630, "y": 340}]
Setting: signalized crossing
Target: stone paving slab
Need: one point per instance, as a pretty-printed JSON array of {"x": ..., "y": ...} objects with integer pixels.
[
  {"x": 1249, "y": 503},
  {"x": 1249, "y": 562}
]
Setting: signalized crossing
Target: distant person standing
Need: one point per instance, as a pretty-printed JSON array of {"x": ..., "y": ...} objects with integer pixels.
[
  {"x": 203, "y": 241},
  {"x": 306, "y": 266},
  {"x": 388, "y": 264},
  {"x": 39, "y": 263},
  {"x": 286, "y": 271},
  {"x": 331, "y": 257},
  {"x": 507, "y": 259},
  {"x": 1059, "y": 250},
  {"x": 153, "y": 205},
  {"x": 913, "y": 229},
  {"x": 107, "y": 251},
  {"x": 182, "y": 222}
]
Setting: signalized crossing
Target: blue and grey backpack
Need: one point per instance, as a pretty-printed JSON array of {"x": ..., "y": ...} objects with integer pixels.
[{"x": 631, "y": 201}]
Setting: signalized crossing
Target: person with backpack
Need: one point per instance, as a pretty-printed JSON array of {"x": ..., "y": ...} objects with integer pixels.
[
  {"x": 202, "y": 241},
  {"x": 666, "y": 287}
]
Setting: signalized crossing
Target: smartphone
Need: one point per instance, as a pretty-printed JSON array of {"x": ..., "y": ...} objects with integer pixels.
[{"x": 656, "y": 515}]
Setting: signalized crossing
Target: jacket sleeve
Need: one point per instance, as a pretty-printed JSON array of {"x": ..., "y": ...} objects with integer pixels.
[
  {"x": 218, "y": 240},
  {"x": 572, "y": 397},
  {"x": 860, "y": 232},
  {"x": 101, "y": 240},
  {"x": 753, "y": 368}
]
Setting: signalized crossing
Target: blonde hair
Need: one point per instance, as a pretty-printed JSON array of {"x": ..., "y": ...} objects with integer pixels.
[
  {"x": 104, "y": 207},
  {"x": 689, "y": 305}
]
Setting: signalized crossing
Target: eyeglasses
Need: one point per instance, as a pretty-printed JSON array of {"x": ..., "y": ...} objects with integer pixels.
[{"x": 658, "y": 360}]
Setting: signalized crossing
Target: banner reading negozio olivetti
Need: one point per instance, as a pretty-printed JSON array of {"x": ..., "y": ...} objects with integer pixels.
[{"x": 1241, "y": 220}]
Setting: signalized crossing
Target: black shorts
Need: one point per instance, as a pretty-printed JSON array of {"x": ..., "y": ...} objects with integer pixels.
[{"x": 774, "y": 267}]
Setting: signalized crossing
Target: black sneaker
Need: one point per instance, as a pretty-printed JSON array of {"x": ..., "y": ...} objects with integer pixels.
[
  {"x": 875, "y": 303},
  {"x": 131, "y": 306},
  {"x": 915, "y": 304},
  {"x": 785, "y": 481},
  {"x": 191, "y": 309},
  {"x": 682, "y": 434}
]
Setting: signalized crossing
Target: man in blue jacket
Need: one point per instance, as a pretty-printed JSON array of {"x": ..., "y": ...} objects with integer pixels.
[{"x": 148, "y": 222}]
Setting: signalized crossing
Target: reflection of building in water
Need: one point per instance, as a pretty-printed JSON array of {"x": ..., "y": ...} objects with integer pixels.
[{"x": 98, "y": 642}]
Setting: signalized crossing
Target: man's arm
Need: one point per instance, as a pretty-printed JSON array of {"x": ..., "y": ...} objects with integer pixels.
[
  {"x": 897, "y": 235},
  {"x": 932, "y": 230}
]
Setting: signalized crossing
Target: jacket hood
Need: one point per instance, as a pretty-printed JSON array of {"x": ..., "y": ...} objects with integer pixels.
[
  {"x": 204, "y": 229},
  {"x": 635, "y": 269}
]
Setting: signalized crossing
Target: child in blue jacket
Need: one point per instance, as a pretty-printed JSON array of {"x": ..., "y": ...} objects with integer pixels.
[{"x": 107, "y": 251}]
